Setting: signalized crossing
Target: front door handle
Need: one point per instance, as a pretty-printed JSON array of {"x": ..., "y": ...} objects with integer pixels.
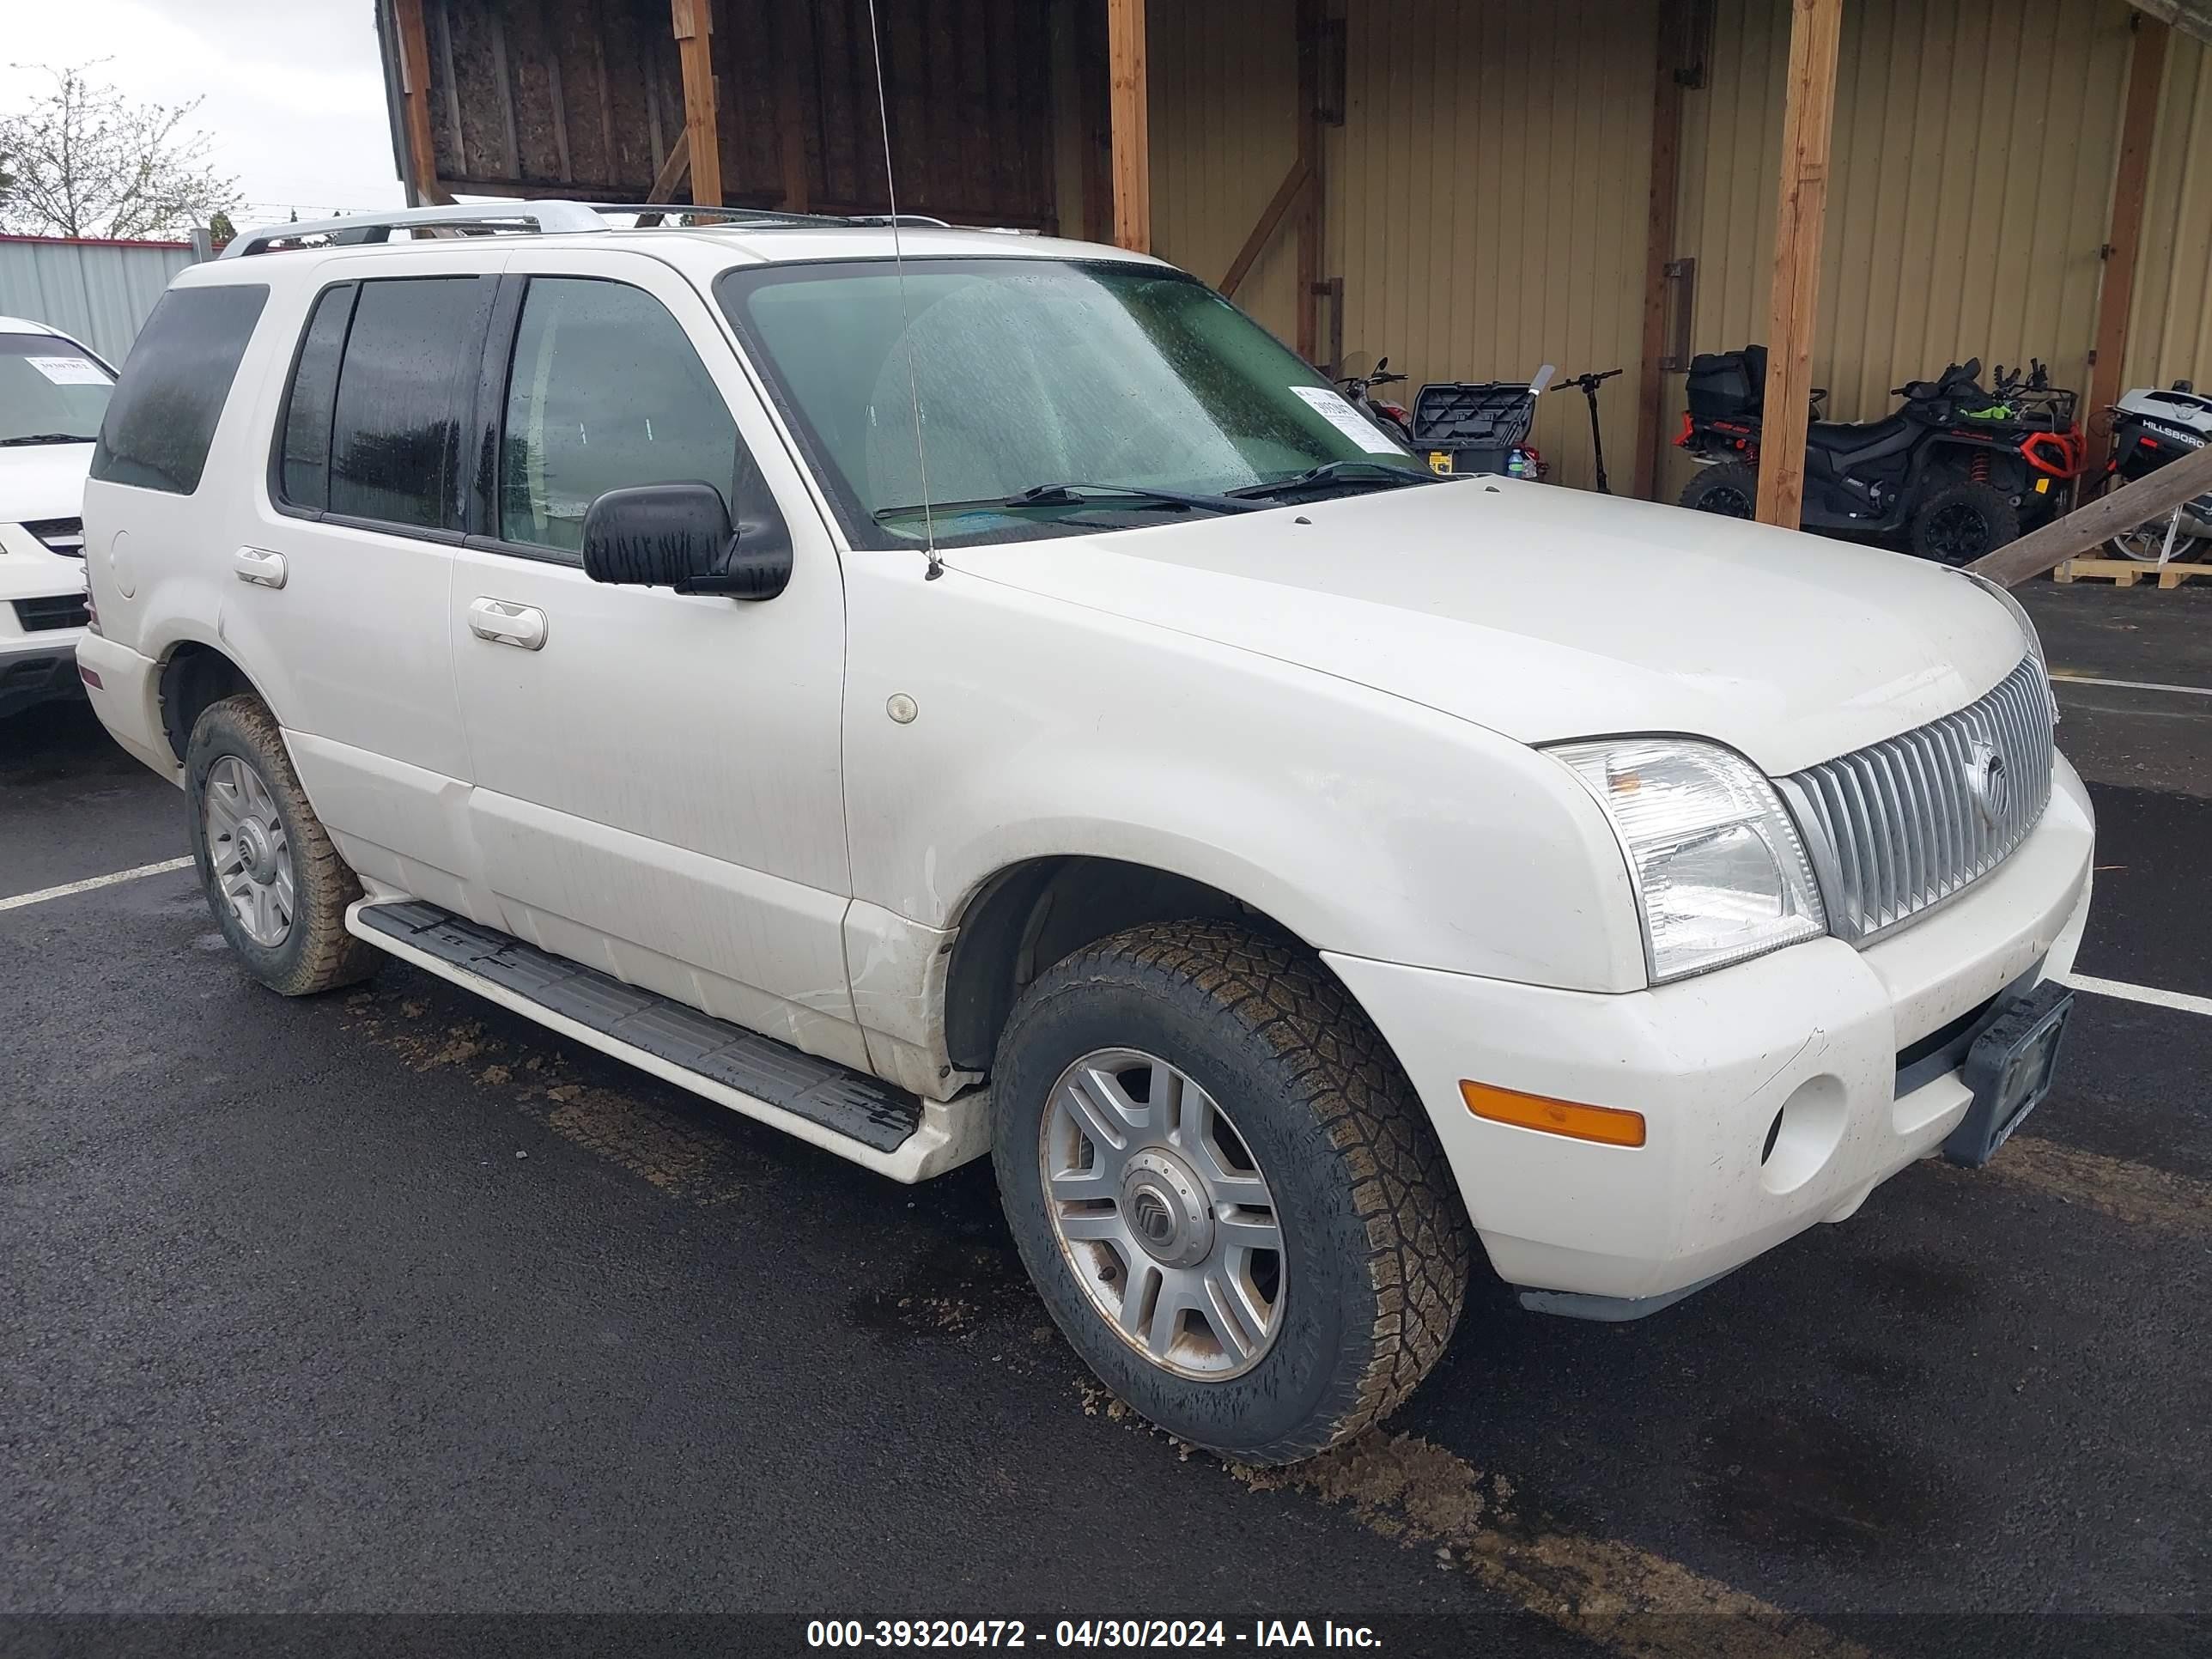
[
  {"x": 505, "y": 623},
  {"x": 258, "y": 566}
]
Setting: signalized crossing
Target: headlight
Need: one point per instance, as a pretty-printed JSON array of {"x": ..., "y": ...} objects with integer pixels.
[
  {"x": 1720, "y": 873},
  {"x": 2026, "y": 623}
]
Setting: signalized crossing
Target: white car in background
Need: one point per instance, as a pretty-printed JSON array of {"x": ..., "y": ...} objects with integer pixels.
[{"x": 53, "y": 391}]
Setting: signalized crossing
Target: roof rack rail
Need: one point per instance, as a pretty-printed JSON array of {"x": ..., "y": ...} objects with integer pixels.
[{"x": 547, "y": 217}]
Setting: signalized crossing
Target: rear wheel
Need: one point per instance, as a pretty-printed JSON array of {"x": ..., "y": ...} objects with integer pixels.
[
  {"x": 277, "y": 887},
  {"x": 1730, "y": 489},
  {"x": 2147, "y": 541},
  {"x": 1961, "y": 522},
  {"x": 1227, "y": 1195}
]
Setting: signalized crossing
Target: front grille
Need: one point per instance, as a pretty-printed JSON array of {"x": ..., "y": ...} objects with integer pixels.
[
  {"x": 60, "y": 611},
  {"x": 61, "y": 535},
  {"x": 1901, "y": 825}
]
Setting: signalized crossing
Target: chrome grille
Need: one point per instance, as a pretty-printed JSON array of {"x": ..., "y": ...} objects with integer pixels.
[{"x": 1901, "y": 825}]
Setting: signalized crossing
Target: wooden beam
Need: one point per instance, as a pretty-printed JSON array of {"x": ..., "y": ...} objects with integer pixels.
[
  {"x": 2148, "y": 499},
  {"x": 1808, "y": 119},
  {"x": 1092, "y": 77},
  {"x": 1287, "y": 193},
  {"x": 1130, "y": 118},
  {"x": 793, "y": 83},
  {"x": 2124, "y": 243},
  {"x": 1659, "y": 243},
  {"x": 1308, "y": 22},
  {"x": 422, "y": 180},
  {"x": 672, "y": 173},
  {"x": 695, "y": 24}
]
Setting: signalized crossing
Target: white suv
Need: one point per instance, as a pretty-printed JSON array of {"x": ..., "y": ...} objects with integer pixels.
[
  {"x": 946, "y": 692},
  {"x": 52, "y": 393}
]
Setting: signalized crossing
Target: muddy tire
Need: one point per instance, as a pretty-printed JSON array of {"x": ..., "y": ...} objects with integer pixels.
[
  {"x": 276, "y": 886},
  {"x": 1730, "y": 490},
  {"x": 1251, "y": 1098}
]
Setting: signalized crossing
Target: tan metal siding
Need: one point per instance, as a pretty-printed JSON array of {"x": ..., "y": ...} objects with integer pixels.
[
  {"x": 1974, "y": 148},
  {"x": 2170, "y": 327},
  {"x": 1223, "y": 82},
  {"x": 1487, "y": 198}
]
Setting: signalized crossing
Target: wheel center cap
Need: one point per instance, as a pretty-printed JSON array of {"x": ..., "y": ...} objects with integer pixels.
[
  {"x": 256, "y": 851},
  {"x": 1167, "y": 1208}
]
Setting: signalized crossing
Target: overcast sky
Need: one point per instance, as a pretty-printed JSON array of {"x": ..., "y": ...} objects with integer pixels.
[{"x": 294, "y": 93}]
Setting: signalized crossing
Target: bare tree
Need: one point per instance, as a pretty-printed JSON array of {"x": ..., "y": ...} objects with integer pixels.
[{"x": 88, "y": 163}]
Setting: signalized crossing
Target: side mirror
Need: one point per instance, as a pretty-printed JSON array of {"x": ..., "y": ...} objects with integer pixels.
[{"x": 679, "y": 536}]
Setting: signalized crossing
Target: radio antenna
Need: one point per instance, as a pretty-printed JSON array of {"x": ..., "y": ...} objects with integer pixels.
[{"x": 906, "y": 318}]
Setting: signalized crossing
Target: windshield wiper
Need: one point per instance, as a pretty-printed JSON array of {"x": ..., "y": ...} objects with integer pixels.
[
  {"x": 50, "y": 438},
  {"x": 1330, "y": 472},
  {"x": 1077, "y": 494}
]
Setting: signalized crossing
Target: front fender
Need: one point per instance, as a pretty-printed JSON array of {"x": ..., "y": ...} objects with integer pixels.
[{"x": 1365, "y": 823}]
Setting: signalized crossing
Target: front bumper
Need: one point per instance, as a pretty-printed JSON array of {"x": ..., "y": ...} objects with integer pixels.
[
  {"x": 36, "y": 665},
  {"x": 1811, "y": 1035}
]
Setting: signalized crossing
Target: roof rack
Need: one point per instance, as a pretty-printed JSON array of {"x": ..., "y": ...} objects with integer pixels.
[{"x": 544, "y": 218}]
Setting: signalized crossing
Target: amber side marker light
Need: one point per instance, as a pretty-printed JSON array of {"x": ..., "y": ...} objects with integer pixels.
[{"x": 1607, "y": 1125}]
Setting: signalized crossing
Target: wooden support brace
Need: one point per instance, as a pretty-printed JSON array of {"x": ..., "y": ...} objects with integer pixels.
[
  {"x": 2148, "y": 499},
  {"x": 673, "y": 171},
  {"x": 694, "y": 23},
  {"x": 1287, "y": 194},
  {"x": 1659, "y": 246},
  {"x": 415, "y": 103},
  {"x": 2124, "y": 243},
  {"x": 1131, "y": 119},
  {"x": 1807, "y": 120}
]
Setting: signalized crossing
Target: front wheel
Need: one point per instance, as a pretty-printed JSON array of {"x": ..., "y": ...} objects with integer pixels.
[
  {"x": 1730, "y": 489},
  {"x": 1227, "y": 1195},
  {"x": 1961, "y": 522},
  {"x": 2147, "y": 541}
]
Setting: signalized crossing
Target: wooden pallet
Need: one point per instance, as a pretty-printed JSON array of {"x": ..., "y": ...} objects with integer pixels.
[{"x": 2128, "y": 572}]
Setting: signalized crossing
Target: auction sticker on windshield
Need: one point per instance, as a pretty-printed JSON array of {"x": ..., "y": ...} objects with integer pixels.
[
  {"x": 69, "y": 370},
  {"x": 1331, "y": 407}
]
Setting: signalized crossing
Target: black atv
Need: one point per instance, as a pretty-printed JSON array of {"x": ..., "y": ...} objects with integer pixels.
[{"x": 1958, "y": 471}]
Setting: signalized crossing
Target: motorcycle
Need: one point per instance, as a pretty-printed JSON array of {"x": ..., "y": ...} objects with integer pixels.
[
  {"x": 1359, "y": 392},
  {"x": 1959, "y": 471},
  {"x": 2150, "y": 429}
]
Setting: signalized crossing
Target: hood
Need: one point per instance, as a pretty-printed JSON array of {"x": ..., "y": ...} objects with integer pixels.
[
  {"x": 43, "y": 481},
  {"x": 1546, "y": 613}
]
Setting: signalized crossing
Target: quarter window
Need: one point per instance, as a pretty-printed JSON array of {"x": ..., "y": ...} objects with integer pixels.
[
  {"x": 305, "y": 474},
  {"x": 162, "y": 417},
  {"x": 604, "y": 391}
]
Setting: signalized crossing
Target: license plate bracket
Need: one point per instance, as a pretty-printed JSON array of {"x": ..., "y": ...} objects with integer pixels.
[{"x": 2010, "y": 1068}]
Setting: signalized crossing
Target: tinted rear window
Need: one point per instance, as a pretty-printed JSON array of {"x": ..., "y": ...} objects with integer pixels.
[
  {"x": 162, "y": 417},
  {"x": 415, "y": 344}
]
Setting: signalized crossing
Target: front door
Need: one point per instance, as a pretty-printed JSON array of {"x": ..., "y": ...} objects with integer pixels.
[{"x": 658, "y": 791}]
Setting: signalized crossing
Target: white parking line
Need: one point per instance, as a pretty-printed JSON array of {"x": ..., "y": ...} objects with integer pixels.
[
  {"x": 2149, "y": 993},
  {"x": 67, "y": 888},
  {"x": 2132, "y": 685}
]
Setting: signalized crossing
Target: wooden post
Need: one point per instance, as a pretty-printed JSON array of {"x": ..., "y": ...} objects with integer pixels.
[
  {"x": 1308, "y": 24},
  {"x": 1131, "y": 120},
  {"x": 695, "y": 25},
  {"x": 2123, "y": 244},
  {"x": 1808, "y": 115},
  {"x": 422, "y": 180},
  {"x": 1659, "y": 244}
]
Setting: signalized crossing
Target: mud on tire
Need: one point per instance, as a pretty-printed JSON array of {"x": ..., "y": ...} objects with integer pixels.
[
  {"x": 316, "y": 952},
  {"x": 1375, "y": 1243}
]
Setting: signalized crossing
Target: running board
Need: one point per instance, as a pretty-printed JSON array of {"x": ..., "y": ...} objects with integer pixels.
[{"x": 831, "y": 1106}]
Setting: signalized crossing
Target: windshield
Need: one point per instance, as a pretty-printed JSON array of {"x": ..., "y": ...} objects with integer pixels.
[
  {"x": 1118, "y": 379},
  {"x": 50, "y": 391}
]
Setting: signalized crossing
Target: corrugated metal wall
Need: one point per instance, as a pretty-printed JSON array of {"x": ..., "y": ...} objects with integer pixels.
[
  {"x": 1488, "y": 195},
  {"x": 1225, "y": 78},
  {"x": 2170, "y": 328},
  {"x": 1973, "y": 155},
  {"x": 100, "y": 292}
]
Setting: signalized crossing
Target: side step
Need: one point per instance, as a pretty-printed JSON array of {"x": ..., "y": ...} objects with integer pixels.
[{"x": 843, "y": 1111}]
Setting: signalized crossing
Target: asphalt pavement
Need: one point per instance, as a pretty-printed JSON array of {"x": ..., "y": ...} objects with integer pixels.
[{"x": 388, "y": 1303}]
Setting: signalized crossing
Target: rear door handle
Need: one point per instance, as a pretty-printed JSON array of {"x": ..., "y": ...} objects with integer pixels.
[
  {"x": 506, "y": 623},
  {"x": 258, "y": 566}
]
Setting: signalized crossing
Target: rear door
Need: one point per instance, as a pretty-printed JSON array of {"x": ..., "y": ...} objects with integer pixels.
[
  {"x": 343, "y": 589},
  {"x": 656, "y": 776}
]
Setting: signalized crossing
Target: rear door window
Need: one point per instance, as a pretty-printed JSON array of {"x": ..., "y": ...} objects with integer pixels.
[
  {"x": 410, "y": 360},
  {"x": 604, "y": 391},
  {"x": 163, "y": 414},
  {"x": 304, "y": 469}
]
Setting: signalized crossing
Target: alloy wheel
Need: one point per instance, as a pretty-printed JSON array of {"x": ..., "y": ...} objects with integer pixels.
[
  {"x": 1162, "y": 1214},
  {"x": 248, "y": 851}
]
